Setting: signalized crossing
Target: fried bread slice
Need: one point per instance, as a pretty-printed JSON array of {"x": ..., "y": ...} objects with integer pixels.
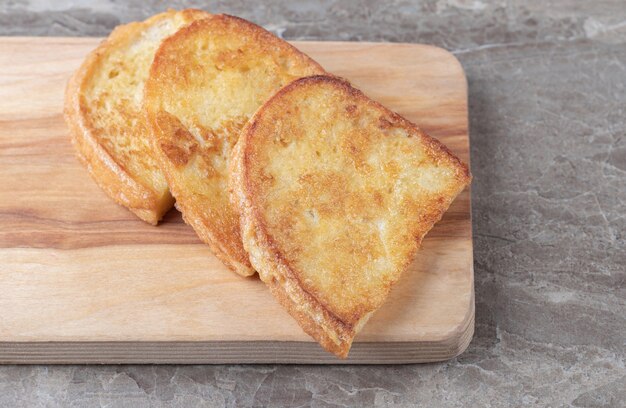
[
  {"x": 205, "y": 83},
  {"x": 103, "y": 109},
  {"x": 336, "y": 193}
]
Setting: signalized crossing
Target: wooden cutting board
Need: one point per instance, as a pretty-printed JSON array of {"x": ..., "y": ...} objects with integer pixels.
[{"x": 83, "y": 280}]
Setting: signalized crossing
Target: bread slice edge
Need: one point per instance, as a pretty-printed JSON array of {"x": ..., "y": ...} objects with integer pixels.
[{"x": 317, "y": 321}]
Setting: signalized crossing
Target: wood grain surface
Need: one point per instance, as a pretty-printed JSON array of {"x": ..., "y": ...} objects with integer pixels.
[{"x": 83, "y": 280}]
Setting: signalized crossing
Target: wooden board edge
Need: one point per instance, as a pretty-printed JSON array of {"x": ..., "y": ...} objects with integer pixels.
[{"x": 230, "y": 352}]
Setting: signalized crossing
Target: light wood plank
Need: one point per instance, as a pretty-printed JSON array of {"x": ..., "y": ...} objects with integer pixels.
[{"x": 83, "y": 280}]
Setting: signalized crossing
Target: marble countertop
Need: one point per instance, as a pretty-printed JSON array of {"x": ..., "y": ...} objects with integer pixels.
[{"x": 547, "y": 96}]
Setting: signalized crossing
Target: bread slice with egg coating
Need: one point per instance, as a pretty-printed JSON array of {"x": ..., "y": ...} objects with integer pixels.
[
  {"x": 336, "y": 193},
  {"x": 205, "y": 83},
  {"x": 104, "y": 111}
]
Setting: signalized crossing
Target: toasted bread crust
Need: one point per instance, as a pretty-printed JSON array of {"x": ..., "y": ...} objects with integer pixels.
[
  {"x": 332, "y": 315},
  {"x": 204, "y": 84},
  {"x": 149, "y": 201},
  {"x": 332, "y": 334}
]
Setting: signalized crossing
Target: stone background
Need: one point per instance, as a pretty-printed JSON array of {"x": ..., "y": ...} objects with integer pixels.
[{"x": 547, "y": 93}]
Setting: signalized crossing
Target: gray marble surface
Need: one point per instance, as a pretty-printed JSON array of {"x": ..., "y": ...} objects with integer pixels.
[{"x": 547, "y": 92}]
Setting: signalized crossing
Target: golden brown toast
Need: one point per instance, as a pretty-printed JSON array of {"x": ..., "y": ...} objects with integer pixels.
[
  {"x": 103, "y": 109},
  {"x": 205, "y": 83},
  {"x": 336, "y": 193}
]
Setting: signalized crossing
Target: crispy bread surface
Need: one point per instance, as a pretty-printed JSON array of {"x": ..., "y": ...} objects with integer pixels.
[
  {"x": 336, "y": 193},
  {"x": 205, "y": 83},
  {"x": 103, "y": 109}
]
